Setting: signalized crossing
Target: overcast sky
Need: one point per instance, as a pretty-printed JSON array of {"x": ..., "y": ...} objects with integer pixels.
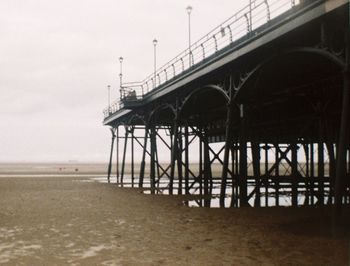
[{"x": 57, "y": 58}]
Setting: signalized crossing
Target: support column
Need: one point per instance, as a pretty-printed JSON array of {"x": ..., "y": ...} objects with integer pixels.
[
  {"x": 179, "y": 162},
  {"x": 294, "y": 174},
  {"x": 332, "y": 171},
  {"x": 143, "y": 161},
  {"x": 174, "y": 156},
  {"x": 156, "y": 161},
  {"x": 343, "y": 136},
  {"x": 187, "y": 190},
  {"x": 111, "y": 157},
  {"x": 132, "y": 157},
  {"x": 312, "y": 174},
  {"x": 207, "y": 171},
  {"x": 256, "y": 170},
  {"x": 228, "y": 146},
  {"x": 124, "y": 155},
  {"x": 117, "y": 155},
  {"x": 307, "y": 170},
  {"x": 243, "y": 171},
  {"x": 200, "y": 167},
  {"x": 320, "y": 173},
  {"x": 266, "y": 175},
  {"x": 277, "y": 174},
  {"x": 153, "y": 159},
  {"x": 235, "y": 174}
]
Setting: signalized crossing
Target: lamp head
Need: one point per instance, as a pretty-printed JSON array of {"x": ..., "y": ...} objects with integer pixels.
[
  {"x": 155, "y": 42},
  {"x": 189, "y": 9}
]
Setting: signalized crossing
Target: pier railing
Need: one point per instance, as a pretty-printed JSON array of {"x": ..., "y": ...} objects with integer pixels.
[{"x": 240, "y": 25}]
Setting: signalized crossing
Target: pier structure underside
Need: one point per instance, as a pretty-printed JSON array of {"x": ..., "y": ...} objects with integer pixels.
[{"x": 274, "y": 120}]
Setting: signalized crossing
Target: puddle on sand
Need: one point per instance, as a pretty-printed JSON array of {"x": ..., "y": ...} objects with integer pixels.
[{"x": 92, "y": 251}]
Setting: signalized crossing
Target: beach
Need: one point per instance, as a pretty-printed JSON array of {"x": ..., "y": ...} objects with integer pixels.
[{"x": 72, "y": 219}]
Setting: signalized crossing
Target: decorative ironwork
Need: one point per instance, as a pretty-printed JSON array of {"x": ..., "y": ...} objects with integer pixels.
[{"x": 215, "y": 40}]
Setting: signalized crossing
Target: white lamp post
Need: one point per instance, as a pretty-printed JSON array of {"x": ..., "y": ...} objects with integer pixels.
[
  {"x": 109, "y": 98},
  {"x": 189, "y": 10},
  {"x": 121, "y": 76},
  {"x": 155, "y": 61}
]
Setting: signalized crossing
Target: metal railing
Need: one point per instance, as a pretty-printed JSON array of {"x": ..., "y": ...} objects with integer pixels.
[{"x": 240, "y": 25}]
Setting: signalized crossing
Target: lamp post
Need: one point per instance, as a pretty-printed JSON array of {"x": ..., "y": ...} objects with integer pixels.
[
  {"x": 155, "y": 61},
  {"x": 250, "y": 16},
  {"x": 189, "y": 10},
  {"x": 121, "y": 76},
  {"x": 109, "y": 98}
]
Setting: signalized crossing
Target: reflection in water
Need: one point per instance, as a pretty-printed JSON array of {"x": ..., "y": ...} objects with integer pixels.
[{"x": 284, "y": 195}]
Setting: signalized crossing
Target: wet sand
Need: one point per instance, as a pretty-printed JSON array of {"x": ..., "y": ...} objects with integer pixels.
[{"x": 69, "y": 220}]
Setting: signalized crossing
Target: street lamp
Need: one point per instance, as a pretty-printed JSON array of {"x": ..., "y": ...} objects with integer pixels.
[
  {"x": 121, "y": 75},
  {"x": 250, "y": 16},
  {"x": 189, "y": 10},
  {"x": 155, "y": 62},
  {"x": 109, "y": 98}
]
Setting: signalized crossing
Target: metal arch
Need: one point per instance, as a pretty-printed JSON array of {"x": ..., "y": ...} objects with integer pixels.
[
  {"x": 341, "y": 64},
  {"x": 159, "y": 108},
  {"x": 127, "y": 121},
  {"x": 135, "y": 116},
  {"x": 336, "y": 60},
  {"x": 210, "y": 86},
  {"x": 121, "y": 123}
]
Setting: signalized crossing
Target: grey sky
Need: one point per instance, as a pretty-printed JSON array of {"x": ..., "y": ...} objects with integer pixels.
[{"x": 57, "y": 58}]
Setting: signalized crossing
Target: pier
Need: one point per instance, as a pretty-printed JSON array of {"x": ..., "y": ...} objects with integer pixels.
[{"x": 264, "y": 98}]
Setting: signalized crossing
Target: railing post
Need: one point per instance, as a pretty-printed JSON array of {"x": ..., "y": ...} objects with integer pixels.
[
  {"x": 247, "y": 20},
  {"x": 158, "y": 80},
  {"x": 231, "y": 37},
  {"x": 166, "y": 75},
  {"x": 174, "y": 72},
  {"x": 191, "y": 59},
  {"x": 268, "y": 10},
  {"x": 183, "y": 65},
  {"x": 203, "y": 50},
  {"x": 216, "y": 43}
]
